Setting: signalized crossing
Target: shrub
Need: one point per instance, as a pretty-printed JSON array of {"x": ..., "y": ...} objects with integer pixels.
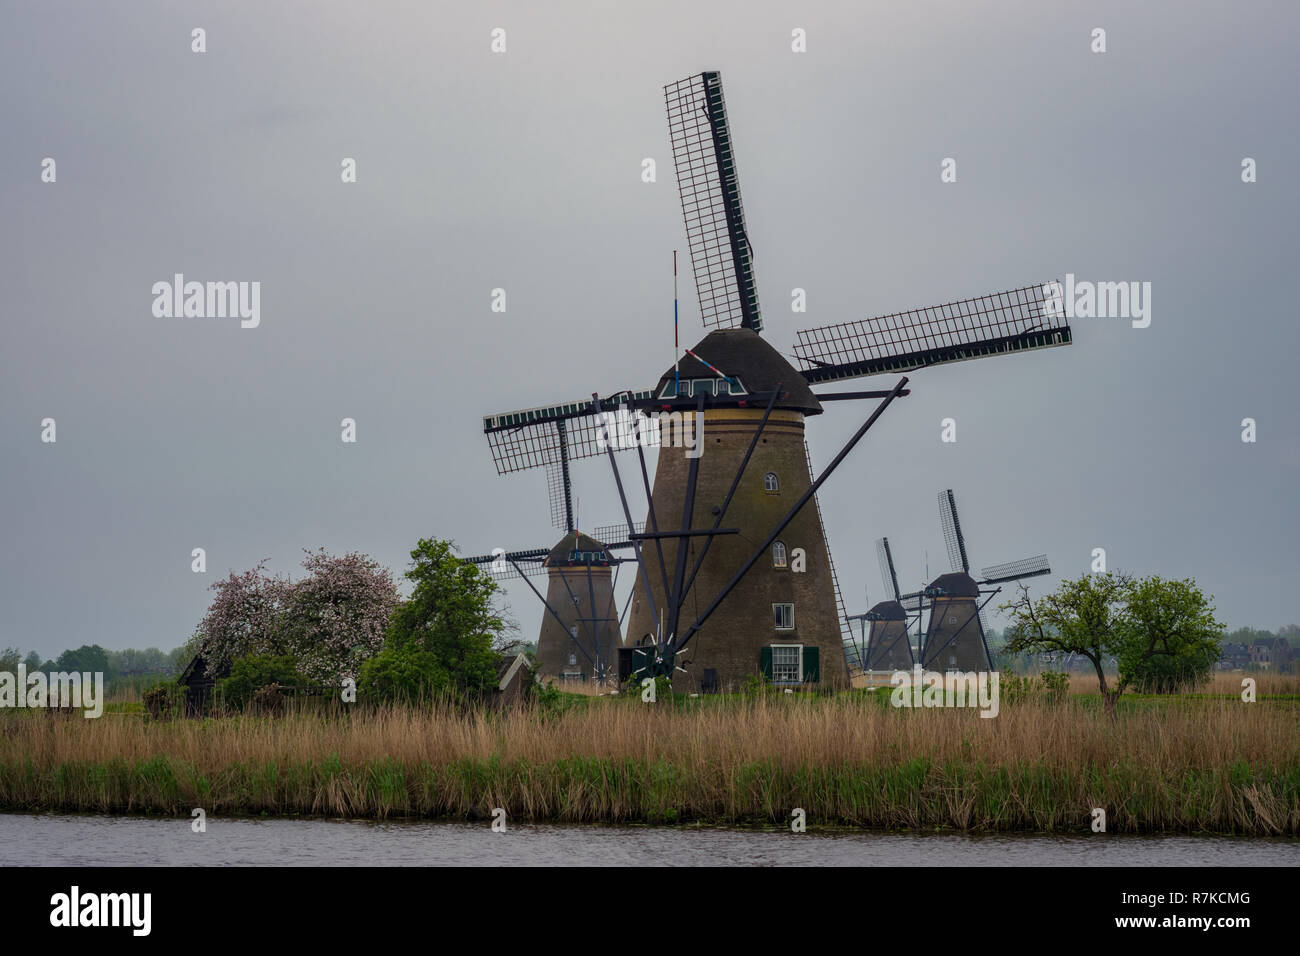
[
  {"x": 1055, "y": 683},
  {"x": 164, "y": 700},
  {"x": 402, "y": 674},
  {"x": 250, "y": 674}
]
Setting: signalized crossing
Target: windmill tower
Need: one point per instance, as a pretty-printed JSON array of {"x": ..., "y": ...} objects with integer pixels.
[
  {"x": 888, "y": 644},
  {"x": 580, "y": 632},
  {"x": 955, "y": 638},
  {"x": 715, "y": 605},
  {"x": 787, "y": 608},
  {"x": 581, "y": 641}
]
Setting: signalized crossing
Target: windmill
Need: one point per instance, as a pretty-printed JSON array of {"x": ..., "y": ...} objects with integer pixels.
[
  {"x": 888, "y": 646},
  {"x": 734, "y": 448},
  {"x": 580, "y": 633},
  {"x": 955, "y": 638}
]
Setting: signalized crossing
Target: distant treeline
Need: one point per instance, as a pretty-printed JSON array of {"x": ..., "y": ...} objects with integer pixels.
[
  {"x": 1027, "y": 663},
  {"x": 130, "y": 664}
]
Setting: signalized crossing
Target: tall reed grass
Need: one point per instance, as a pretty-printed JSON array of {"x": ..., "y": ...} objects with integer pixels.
[{"x": 1199, "y": 765}]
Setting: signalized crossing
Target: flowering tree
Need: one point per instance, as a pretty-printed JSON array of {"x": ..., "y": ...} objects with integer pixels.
[
  {"x": 335, "y": 617},
  {"x": 328, "y": 622},
  {"x": 242, "y": 619}
]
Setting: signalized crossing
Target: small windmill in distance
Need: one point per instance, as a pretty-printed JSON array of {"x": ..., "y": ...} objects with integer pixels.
[
  {"x": 888, "y": 646},
  {"x": 955, "y": 638}
]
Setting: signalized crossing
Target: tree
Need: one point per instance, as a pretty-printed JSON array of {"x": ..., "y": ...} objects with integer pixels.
[
  {"x": 1113, "y": 614},
  {"x": 242, "y": 619},
  {"x": 1170, "y": 630},
  {"x": 1080, "y": 617},
  {"x": 328, "y": 621},
  {"x": 451, "y": 616},
  {"x": 337, "y": 615},
  {"x": 88, "y": 658}
]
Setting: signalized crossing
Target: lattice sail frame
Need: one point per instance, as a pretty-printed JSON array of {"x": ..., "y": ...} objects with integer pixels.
[
  {"x": 887, "y": 573},
  {"x": 529, "y": 438},
  {"x": 707, "y": 182},
  {"x": 1003, "y": 322},
  {"x": 952, "y": 535},
  {"x": 611, "y": 534},
  {"x": 499, "y": 566},
  {"x": 1015, "y": 570}
]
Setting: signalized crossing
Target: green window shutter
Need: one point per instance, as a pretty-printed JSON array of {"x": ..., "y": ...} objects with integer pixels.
[
  {"x": 765, "y": 661},
  {"x": 812, "y": 672}
]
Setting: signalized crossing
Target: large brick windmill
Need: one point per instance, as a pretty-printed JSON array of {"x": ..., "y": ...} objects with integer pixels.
[{"x": 714, "y": 605}]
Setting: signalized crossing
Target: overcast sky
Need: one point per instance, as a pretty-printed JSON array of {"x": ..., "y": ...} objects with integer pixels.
[{"x": 521, "y": 171}]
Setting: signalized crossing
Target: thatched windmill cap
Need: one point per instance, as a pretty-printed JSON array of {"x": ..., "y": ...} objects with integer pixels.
[
  {"x": 889, "y": 611},
  {"x": 746, "y": 355},
  {"x": 957, "y": 585},
  {"x": 589, "y": 552}
]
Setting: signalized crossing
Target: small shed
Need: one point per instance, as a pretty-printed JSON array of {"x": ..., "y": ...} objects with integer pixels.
[
  {"x": 199, "y": 684},
  {"x": 514, "y": 681}
]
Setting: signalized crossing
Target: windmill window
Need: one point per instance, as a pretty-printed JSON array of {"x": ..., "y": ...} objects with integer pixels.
[
  {"x": 771, "y": 484},
  {"x": 573, "y": 659},
  {"x": 783, "y": 617},
  {"x": 778, "y": 555},
  {"x": 787, "y": 663}
]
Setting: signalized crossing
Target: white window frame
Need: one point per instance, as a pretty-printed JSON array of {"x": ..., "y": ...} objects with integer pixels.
[
  {"x": 783, "y": 604},
  {"x": 771, "y": 487},
  {"x": 798, "y": 656},
  {"x": 780, "y": 556}
]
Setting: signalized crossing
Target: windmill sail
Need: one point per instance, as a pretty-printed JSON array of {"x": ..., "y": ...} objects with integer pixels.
[
  {"x": 997, "y": 324},
  {"x": 532, "y": 437},
  {"x": 1015, "y": 570},
  {"x": 952, "y": 535},
  {"x": 511, "y": 565},
  {"x": 887, "y": 573},
  {"x": 710, "y": 192}
]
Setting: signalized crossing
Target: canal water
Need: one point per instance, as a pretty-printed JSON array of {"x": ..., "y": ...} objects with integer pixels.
[{"x": 134, "y": 841}]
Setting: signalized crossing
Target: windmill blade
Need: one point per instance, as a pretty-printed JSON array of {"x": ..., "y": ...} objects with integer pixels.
[
  {"x": 499, "y": 566},
  {"x": 887, "y": 573},
  {"x": 610, "y": 534},
  {"x": 531, "y": 437},
  {"x": 1015, "y": 570},
  {"x": 557, "y": 493},
  {"x": 952, "y": 535},
  {"x": 997, "y": 324},
  {"x": 911, "y": 602},
  {"x": 710, "y": 192}
]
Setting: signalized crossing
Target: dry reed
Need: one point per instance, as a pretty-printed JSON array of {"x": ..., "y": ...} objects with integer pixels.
[{"x": 1180, "y": 765}]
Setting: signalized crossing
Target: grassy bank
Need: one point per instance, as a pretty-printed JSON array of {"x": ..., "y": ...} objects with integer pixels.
[{"x": 1202, "y": 765}]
